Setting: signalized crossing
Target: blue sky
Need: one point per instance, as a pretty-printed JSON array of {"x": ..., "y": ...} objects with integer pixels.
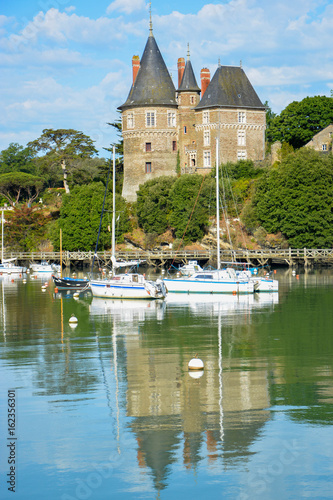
[{"x": 67, "y": 63}]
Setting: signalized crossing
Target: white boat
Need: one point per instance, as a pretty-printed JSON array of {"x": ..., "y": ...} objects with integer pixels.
[
  {"x": 42, "y": 267},
  {"x": 261, "y": 283},
  {"x": 190, "y": 268},
  {"x": 8, "y": 267},
  {"x": 266, "y": 284},
  {"x": 218, "y": 281},
  {"x": 129, "y": 285}
]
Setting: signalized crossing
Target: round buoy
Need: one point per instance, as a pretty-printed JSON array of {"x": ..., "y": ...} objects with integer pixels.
[
  {"x": 24, "y": 281},
  {"x": 43, "y": 288},
  {"x": 56, "y": 290},
  {"x": 73, "y": 319},
  {"x": 274, "y": 271},
  {"x": 195, "y": 364}
]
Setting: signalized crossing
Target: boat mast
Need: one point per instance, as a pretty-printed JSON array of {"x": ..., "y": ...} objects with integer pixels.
[
  {"x": 113, "y": 250},
  {"x": 217, "y": 206}
]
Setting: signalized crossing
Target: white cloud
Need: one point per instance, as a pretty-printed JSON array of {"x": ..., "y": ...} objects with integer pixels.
[{"x": 126, "y": 6}]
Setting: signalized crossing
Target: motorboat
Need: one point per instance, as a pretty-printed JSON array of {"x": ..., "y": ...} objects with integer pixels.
[{"x": 42, "y": 267}]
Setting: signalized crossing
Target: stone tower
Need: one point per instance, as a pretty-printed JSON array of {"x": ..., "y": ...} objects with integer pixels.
[
  {"x": 230, "y": 111},
  {"x": 149, "y": 122},
  {"x": 188, "y": 99}
]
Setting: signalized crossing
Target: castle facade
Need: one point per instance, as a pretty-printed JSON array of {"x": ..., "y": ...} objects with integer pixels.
[{"x": 168, "y": 131}]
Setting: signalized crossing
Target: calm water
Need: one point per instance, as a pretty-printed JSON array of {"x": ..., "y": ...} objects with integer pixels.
[{"x": 108, "y": 409}]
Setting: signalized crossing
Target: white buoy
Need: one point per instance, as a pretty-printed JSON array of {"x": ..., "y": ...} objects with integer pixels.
[
  {"x": 73, "y": 319},
  {"x": 195, "y": 364}
]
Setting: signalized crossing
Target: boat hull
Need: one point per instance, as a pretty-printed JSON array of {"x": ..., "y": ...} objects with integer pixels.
[
  {"x": 12, "y": 270},
  {"x": 188, "y": 285},
  {"x": 70, "y": 283},
  {"x": 267, "y": 285},
  {"x": 118, "y": 290}
]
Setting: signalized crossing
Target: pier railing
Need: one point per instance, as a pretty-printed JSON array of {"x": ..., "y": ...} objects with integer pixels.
[{"x": 290, "y": 256}]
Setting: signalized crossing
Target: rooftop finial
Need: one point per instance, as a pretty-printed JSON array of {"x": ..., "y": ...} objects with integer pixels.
[
  {"x": 188, "y": 51},
  {"x": 240, "y": 63},
  {"x": 219, "y": 64},
  {"x": 150, "y": 21}
]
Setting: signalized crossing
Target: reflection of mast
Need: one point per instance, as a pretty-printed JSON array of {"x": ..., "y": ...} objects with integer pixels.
[
  {"x": 220, "y": 375},
  {"x": 3, "y": 311},
  {"x": 115, "y": 363}
]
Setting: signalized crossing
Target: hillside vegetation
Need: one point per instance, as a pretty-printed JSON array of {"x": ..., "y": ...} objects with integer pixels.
[{"x": 57, "y": 182}]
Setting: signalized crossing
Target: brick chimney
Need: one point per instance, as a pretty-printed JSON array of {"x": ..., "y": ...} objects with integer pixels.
[
  {"x": 205, "y": 80},
  {"x": 181, "y": 68},
  {"x": 135, "y": 66}
]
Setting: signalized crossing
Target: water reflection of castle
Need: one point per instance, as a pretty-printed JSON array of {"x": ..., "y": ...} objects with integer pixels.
[{"x": 215, "y": 418}]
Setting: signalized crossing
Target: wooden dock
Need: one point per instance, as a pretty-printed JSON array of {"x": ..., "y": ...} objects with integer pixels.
[{"x": 168, "y": 258}]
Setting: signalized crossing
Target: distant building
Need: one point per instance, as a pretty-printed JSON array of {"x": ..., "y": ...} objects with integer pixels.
[
  {"x": 322, "y": 141},
  {"x": 167, "y": 130}
]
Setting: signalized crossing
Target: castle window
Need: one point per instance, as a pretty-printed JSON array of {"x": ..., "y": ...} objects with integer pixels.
[
  {"x": 171, "y": 119},
  {"x": 148, "y": 167},
  {"x": 241, "y": 155},
  {"x": 206, "y": 138},
  {"x": 241, "y": 117},
  {"x": 192, "y": 99},
  {"x": 148, "y": 146},
  {"x": 174, "y": 145},
  {"x": 205, "y": 117},
  {"x": 185, "y": 130},
  {"x": 324, "y": 147},
  {"x": 241, "y": 138},
  {"x": 150, "y": 118},
  {"x": 206, "y": 158},
  {"x": 130, "y": 120}
]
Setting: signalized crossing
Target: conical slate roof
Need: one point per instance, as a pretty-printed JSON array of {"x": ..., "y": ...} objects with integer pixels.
[
  {"x": 230, "y": 87},
  {"x": 153, "y": 85},
  {"x": 188, "y": 81}
]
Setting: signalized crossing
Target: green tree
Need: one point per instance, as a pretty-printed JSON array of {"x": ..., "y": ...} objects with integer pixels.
[
  {"x": 296, "y": 198},
  {"x": 61, "y": 148},
  {"x": 153, "y": 204},
  {"x": 190, "y": 199},
  {"x": 80, "y": 218},
  {"x": 19, "y": 185},
  {"x": 300, "y": 121},
  {"x": 26, "y": 228},
  {"x": 16, "y": 158}
]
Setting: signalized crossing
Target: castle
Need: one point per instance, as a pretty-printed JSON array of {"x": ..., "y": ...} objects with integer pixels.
[{"x": 166, "y": 131}]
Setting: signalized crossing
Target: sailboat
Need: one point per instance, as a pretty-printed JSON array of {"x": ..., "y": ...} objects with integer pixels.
[
  {"x": 216, "y": 281},
  {"x": 63, "y": 283},
  {"x": 127, "y": 285}
]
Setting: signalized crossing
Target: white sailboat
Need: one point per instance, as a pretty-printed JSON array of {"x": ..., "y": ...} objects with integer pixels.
[
  {"x": 128, "y": 285},
  {"x": 216, "y": 281}
]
